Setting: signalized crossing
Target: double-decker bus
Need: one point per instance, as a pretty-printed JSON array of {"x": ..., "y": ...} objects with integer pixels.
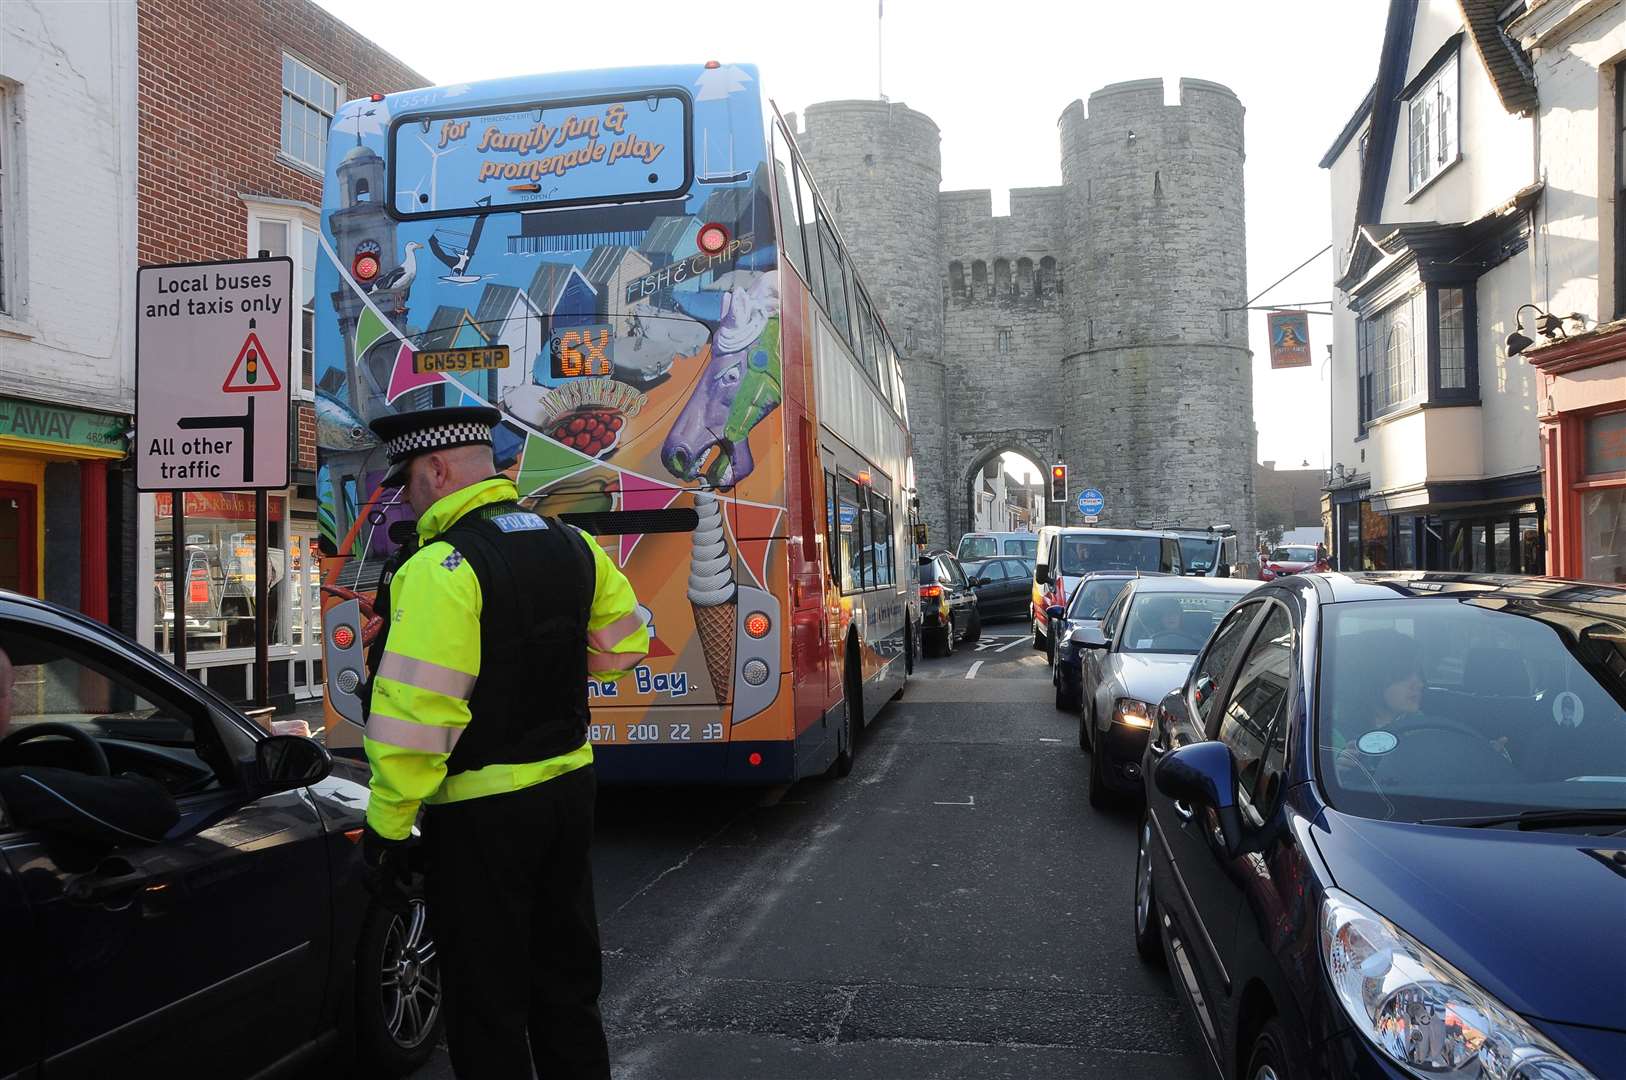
[{"x": 636, "y": 268}]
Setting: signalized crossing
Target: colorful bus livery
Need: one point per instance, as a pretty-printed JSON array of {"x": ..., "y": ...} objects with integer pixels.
[{"x": 636, "y": 244}]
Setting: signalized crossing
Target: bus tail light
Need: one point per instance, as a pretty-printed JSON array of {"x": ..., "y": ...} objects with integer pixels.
[
  {"x": 343, "y": 637},
  {"x": 712, "y": 238},
  {"x": 754, "y": 759},
  {"x": 757, "y": 624}
]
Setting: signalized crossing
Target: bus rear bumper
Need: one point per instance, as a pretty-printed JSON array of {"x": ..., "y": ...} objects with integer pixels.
[{"x": 696, "y": 763}]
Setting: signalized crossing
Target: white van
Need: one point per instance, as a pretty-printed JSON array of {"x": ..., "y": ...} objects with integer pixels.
[
  {"x": 1066, "y": 554},
  {"x": 989, "y": 545}
]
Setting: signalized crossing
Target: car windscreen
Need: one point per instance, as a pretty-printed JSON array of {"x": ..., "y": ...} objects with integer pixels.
[
  {"x": 977, "y": 547},
  {"x": 1081, "y": 554},
  {"x": 1171, "y": 622},
  {"x": 1199, "y": 553},
  {"x": 1027, "y": 549},
  {"x": 1293, "y": 554},
  {"x": 1447, "y": 707},
  {"x": 1092, "y": 598}
]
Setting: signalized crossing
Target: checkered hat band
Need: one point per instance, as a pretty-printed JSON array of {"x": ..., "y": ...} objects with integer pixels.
[{"x": 436, "y": 438}]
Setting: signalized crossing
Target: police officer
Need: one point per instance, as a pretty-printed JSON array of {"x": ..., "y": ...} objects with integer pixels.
[{"x": 479, "y": 711}]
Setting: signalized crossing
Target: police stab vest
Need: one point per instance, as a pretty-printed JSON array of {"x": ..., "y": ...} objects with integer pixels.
[{"x": 536, "y": 587}]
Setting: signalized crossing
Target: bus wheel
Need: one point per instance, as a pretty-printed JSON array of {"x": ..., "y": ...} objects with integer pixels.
[{"x": 852, "y": 711}]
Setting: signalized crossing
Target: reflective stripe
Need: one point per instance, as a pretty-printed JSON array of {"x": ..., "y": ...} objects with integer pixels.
[
  {"x": 425, "y": 675},
  {"x": 606, "y": 638},
  {"x": 622, "y": 661},
  {"x": 498, "y": 779},
  {"x": 410, "y": 736}
]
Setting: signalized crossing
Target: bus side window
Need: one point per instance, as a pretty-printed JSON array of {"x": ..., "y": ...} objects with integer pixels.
[
  {"x": 850, "y": 519},
  {"x": 790, "y": 215},
  {"x": 810, "y": 234},
  {"x": 831, "y": 530}
]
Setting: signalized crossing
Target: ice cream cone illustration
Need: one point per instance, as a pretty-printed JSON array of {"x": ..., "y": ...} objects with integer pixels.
[{"x": 712, "y": 593}]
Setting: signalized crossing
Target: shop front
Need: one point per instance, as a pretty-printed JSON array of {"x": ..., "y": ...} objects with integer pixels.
[
  {"x": 1491, "y": 526},
  {"x": 1583, "y": 442},
  {"x": 53, "y": 501},
  {"x": 215, "y": 605}
]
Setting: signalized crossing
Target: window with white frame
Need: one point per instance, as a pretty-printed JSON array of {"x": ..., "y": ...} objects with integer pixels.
[
  {"x": 309, "y": 100},
  {"x": 1432, "y": 125},
  {"x": 292, "y": 232},
  {"x": 10, "y": 213}
]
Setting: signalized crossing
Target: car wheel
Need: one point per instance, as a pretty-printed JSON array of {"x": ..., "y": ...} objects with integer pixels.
[
  {"x": 1066, "y": 698},
  {"x": 1269, "y": 1059},
  {"x": 1038, "y": 641},
  {"x": 973, "y": 630},
  {"x": 1083, "y": 728},
  {"x": 1148, "y": 932},
  {"x": 399, "y": 990},
  {"x": 1100, "y": 797}
]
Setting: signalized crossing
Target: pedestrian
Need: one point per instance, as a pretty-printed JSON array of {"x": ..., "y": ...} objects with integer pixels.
[{"x": 479, "y": 713}]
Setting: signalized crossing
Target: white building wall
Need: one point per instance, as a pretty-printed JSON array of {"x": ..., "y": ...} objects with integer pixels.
[
  {"x": 1575, "y": 47},
  {"x": 1497, "y": 156},
  {"x": 69, "y": 73},
  {"x": 1345, "y": 182}
]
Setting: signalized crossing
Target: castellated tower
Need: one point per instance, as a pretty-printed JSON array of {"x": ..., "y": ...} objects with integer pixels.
[
  {"x": 879, "y": 166},
  {"x": 1158, "y": 379},
  {"x": 1084, "y": 326}
]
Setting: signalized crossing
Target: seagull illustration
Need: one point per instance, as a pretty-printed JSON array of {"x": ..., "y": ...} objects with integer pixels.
[
  {"x": 402, "y": 276},
  {"x": 458, "y": 263}
]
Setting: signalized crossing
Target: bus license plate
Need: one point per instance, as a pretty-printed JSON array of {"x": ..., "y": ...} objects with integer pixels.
[
  {"x": 654, "y": 731},
  {"x": 455, "y": 360}
]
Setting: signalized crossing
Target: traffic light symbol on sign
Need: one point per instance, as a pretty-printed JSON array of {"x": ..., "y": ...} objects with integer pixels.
[
  {"x": 252, "y": 373},
  {"x": 1058, "y": 483}
]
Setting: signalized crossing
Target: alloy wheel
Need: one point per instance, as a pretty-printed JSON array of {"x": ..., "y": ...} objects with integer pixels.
[{"x": 409, "y": 979}]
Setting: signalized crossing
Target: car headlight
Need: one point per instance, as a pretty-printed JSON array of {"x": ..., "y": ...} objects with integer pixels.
[
  {"x": 1424, "y": 1014},
  {"x": 1132, "y": 712}
]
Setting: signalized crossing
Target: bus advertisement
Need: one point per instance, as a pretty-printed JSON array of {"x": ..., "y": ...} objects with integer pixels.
[{"x": 636, "y": 269}]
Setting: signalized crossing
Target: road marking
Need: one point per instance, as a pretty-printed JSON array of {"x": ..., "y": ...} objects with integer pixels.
[
  {"x": 1050, "y": 740},
  {"x": 1012, "y": 645},
  {"x": 972, "y": 674},
  {"x": 995, "y": 643},
  {"x": 970, "y": 800}
]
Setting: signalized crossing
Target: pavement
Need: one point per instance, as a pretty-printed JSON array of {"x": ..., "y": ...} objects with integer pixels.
[{"x": 953, "y": 908}]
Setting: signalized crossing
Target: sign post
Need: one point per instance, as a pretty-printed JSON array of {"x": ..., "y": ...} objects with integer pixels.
[{"x": 213, "y": 348}]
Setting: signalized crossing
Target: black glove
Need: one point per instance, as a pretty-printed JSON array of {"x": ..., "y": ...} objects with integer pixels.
[{"x": 384, "y": 870}]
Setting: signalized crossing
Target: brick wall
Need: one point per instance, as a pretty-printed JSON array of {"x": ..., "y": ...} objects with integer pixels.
[{"x": 210, "y": 92}]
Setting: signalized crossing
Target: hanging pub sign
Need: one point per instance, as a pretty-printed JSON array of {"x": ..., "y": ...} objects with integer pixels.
[{"x": 1289, "y": 339}]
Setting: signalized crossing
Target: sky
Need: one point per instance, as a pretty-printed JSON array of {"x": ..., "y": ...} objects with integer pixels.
[{"x": 995, "y": 77}]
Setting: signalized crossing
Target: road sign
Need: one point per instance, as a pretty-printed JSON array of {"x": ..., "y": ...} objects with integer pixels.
[
  {"x": 213, "y": 348},
  {"x": 1090, "y": 502}
]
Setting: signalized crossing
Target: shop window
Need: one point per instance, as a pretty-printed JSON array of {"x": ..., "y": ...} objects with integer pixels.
[
  {"x": 1349, "y": 539},
  {"x": 1532, "y": 550},
  {"x": 1603, "y": 534},
  {"x": 1374, "y": 539},
  {"x": 216, "y": 595},
  {"x": 1405, "y": 543}
]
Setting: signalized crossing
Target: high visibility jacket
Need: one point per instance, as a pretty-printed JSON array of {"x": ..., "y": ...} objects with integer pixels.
[{"x": 431, "y": 662}]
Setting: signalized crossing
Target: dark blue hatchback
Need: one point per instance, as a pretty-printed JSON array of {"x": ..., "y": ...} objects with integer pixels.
[{"x": 1385, "y": 830}]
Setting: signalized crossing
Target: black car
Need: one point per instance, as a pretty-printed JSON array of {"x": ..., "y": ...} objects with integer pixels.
[
  {"x": 1383, "y": 830},
  {"x": 237, "y": 942},
  {"x": 948, "y": 605},
  {"x": 1091, "y": 598},
  {"x": 1004, "y": 586}
]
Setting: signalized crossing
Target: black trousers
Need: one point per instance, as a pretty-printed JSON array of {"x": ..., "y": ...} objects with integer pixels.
[{"x": 510, "y": 889}]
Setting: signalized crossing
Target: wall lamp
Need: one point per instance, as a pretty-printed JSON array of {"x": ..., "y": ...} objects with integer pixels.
[{"x": 1548, "y": 325}]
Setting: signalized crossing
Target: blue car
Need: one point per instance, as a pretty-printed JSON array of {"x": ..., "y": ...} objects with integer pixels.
[{"x": 1384, "y": 830}]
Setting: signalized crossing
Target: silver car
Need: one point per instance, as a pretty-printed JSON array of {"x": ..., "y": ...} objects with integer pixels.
[{"x": 1142, "y": 650}]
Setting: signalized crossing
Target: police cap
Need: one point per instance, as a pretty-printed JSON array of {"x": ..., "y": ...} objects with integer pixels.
[{"x": 405, "y": 435}]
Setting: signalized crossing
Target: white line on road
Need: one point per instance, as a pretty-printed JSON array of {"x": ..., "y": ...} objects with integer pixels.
[
  {"x": 972, "y": 674},
  {"x": 1049, "y": 740},
  {"x": 1012, "y": 645},
  {"x": 970, "y": 800}
]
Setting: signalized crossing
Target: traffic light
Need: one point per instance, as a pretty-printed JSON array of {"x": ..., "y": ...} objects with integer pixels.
[{"x": 1058, "y": 483}]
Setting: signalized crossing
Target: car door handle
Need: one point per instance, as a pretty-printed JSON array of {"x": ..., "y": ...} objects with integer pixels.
[
  {"x": 1183, "y": 810},
  {"x": 113, "y": 882}
]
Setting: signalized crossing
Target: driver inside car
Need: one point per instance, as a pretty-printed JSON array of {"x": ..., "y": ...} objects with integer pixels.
[
  {"x": 1387, "y": 688},
  {"x": 73, "y": 802}
]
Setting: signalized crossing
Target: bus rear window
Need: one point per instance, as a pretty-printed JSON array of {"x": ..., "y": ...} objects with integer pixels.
[{"x": 554, "y": 154}]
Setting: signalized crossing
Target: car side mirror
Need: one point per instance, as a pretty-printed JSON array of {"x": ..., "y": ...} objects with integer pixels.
[
  {"x": 1041, "y": 574},
  {"x": 979, "y": 582},
  {"x": 285, "y": 762},
  {"x": 1055, "y": 611},
  {"x": 1091, "y": 637},
  {"x": 1223, "y": 570},
  {"x": 1203, "y": 775}
]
